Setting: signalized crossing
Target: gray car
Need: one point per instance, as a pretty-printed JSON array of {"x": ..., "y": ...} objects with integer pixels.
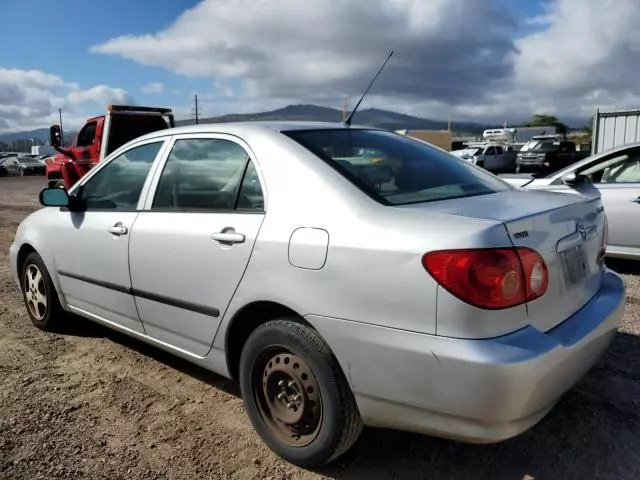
[
  {"x": 613, "y": 175},
  {"x": 406, "y": 289}
]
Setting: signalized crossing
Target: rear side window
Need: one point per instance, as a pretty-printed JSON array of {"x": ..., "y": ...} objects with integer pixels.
[
  {"x": 395, "y": 169},
  {"x": 208, "y": 175}
]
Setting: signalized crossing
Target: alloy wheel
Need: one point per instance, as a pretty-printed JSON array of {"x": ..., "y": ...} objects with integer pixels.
[{"x": 35, "y": 291}]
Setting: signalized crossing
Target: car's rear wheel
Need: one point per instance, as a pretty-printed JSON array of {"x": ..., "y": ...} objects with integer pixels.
[
  {"x": 296, "y": 395},
  {"x": 40, "y": 297}
]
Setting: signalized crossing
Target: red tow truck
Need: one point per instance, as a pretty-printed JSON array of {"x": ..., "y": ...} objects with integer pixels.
[{"x": 99, "y": 137}]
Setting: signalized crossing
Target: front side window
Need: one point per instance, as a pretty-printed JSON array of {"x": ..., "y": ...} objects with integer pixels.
[
  {"x": 206, "y": 174},
  {"x": 620, "y": 169},
  {"x": 118, "y": 184},
  {"x": 408, "y": 171}
]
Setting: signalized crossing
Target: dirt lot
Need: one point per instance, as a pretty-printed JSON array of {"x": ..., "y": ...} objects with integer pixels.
[{"x": 90, "y": 403}]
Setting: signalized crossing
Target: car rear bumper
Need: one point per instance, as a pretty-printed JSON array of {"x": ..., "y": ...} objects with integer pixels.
[{"x": 480, "y": 391}]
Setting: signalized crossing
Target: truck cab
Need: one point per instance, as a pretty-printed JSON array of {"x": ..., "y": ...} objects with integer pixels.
[{"x": 100, "y": 136}]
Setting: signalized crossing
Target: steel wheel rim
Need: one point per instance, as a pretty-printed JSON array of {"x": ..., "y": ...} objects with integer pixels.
[
  {"x": 35, "y": 292},
  {"x": 287, "y": 395}
]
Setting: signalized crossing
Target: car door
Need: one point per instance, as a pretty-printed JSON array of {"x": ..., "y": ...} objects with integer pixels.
[
  {"x": 190, "y": 246},
  {"x": 501, "y": 158},
  {"x": 490, "y": 158},
  {"x": 619, "y": 186},
  {"x": 91, "y": 247}
]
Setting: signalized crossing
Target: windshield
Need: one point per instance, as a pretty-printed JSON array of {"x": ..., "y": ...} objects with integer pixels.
[
  {"x": 468, "y": 152},
  {"x": 544, "y": 147},
  {"x": 405, "y": 170}
]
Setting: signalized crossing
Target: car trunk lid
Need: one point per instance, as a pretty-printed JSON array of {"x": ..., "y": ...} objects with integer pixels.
[{"x": 565, "y": 229}]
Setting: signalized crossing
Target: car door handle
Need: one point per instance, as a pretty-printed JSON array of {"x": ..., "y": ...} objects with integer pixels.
[
  {"x": 118, "y": 229},
  {"x": 228, "y": 237}
]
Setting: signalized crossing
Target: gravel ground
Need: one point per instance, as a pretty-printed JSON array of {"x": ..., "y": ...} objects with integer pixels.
[{"x": 91, "y": 403}]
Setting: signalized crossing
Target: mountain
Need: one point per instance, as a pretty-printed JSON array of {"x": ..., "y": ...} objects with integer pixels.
[
  {"x": 41, "y": 134},
  {"x": 371, "y": 116}
]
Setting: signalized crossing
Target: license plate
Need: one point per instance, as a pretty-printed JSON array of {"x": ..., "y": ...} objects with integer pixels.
[{"x": 574, "y": 264}]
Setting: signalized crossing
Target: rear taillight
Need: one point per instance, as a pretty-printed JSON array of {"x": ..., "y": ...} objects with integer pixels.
[
  {"x": 603, "y": 243},
  {"x": 490, "y": 278}
]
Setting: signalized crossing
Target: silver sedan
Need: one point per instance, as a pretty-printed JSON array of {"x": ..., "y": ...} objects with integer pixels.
[
  {"x": 614, "y": 175},
  {"x": 346, "y": 276}
]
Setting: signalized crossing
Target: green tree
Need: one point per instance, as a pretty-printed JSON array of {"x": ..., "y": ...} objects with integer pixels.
[{"x": 540, "y": 120}]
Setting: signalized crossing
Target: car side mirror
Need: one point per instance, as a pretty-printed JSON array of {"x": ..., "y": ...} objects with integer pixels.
[
  {"x": 55, "y": 136},
  {"x": 54, "y": 197},
  {"x": 573, "y": 178}
]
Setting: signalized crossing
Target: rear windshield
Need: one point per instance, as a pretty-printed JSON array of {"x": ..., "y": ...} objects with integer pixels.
[{"x": 395, "y": 169}]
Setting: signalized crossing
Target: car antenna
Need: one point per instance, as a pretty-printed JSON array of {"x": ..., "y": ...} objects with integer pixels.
[{"x": 348, "y": 119}]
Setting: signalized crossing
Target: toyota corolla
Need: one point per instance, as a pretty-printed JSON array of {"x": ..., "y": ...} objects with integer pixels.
[{"x": 417, "y": 293}]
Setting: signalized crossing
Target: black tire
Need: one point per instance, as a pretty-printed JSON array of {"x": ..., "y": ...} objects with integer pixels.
[
  {"x": 332, "y": 428},
  {"x": 50, "y": 317},
  {"x": 55, "y": 184}
]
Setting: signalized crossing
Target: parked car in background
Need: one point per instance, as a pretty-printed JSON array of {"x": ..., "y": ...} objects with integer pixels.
[
  {"x": 490, "y": 156},
  {"x": 9, "y": 165},
  {"x": 263, "y": 252},
  {"x": 31, "y": 166},
  {"x": 545, "y": 154},
  {"x": 614, "y": 176}
]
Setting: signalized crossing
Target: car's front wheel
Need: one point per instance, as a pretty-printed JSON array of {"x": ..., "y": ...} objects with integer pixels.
[
  {"x": 296, "y": 395},
  {"x": 40, "y": 297}
]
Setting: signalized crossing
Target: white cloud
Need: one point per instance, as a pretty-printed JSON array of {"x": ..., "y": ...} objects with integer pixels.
[
  {"x": 319, "y": 50},
  {"x": 462, "y": 53},
  {"x": 100, "y": 94},
  {"x": 153, "y": 87},
  {"x": 30, "y": 99}
]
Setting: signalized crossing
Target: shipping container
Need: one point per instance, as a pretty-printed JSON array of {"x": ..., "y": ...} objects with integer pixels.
[{"x": 615, "y": 128}]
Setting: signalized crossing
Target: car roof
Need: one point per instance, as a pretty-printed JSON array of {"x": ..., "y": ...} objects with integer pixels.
[{"x": 248, "y": 127}]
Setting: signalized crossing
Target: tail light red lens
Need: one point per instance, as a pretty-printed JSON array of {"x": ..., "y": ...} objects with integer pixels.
[{"x": 491, "y": 278}]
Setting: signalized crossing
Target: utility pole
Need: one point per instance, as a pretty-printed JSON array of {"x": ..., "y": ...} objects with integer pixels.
[
  {"x": 61, "y": 134},
  {"x": 196, "y": 110}
]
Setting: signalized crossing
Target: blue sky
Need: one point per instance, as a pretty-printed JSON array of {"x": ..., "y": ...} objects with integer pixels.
[
  {"x": 484, "y": 60},
  {"x": 57, "y": 39}
]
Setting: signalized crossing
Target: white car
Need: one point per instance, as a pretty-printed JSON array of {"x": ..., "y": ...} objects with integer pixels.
[
  {"x": 614, "y": 176},
  {"x": 491, "y": 157},
  {"x": 345, "y": 276}
]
